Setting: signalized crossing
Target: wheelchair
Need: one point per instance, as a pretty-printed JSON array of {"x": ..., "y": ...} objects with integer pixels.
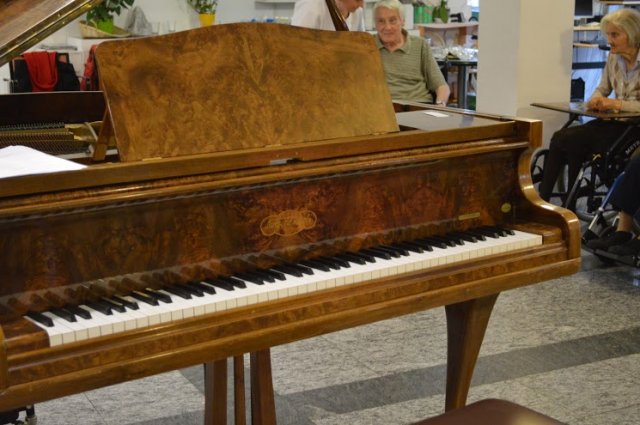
[
  {"x": 595, "y": 179},
  {"x": 13, "y": 416}
]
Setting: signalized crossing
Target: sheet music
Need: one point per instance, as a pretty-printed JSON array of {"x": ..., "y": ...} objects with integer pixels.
[{"x": 22, "y": 160}]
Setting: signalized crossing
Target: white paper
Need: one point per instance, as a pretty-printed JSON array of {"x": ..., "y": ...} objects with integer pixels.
[
  {"x": 21, "y": 160},
  {"x": 435, "y": 114}
]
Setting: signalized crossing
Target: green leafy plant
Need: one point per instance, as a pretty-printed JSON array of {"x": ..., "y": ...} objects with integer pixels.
[
  {"x": 106, "y": 10},
  {"x": 204, "y": 6}
]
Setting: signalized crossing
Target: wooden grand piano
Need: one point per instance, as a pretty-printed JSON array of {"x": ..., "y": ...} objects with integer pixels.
[{"x": 271, "y": 196}]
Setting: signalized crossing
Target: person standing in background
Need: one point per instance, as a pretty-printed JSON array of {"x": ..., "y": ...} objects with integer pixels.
[{"x": 315, "y": 14}]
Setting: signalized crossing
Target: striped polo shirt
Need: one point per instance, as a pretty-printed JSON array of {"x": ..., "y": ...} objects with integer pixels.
[{"x": 411, "y": 71}]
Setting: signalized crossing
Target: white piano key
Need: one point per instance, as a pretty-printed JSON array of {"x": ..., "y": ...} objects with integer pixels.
[{"x": 56, "y": 333}]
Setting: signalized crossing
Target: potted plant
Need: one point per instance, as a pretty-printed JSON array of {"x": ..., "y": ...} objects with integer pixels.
[
  {"x": 101, "y": 16},
  {"x": 206, "y": 10}
]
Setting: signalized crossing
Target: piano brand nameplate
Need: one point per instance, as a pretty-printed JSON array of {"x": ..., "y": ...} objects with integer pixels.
[{"x": 242, "y": 86}]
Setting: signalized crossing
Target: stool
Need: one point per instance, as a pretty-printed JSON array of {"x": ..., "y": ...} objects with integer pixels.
[{"x": 491, "y": 412}]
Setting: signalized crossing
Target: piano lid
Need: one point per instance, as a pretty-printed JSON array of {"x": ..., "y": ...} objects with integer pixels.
[
  {"x": 23, "y": 23},
  {"x": 242, "y": 87}
]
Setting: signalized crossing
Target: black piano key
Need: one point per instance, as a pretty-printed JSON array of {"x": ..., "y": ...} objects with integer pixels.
[
  {"x": 496, "y": 231},
  {"x": 422, "y": 244},
  {"x": 492, "y": 232},
  {"x": 501, "y": 230},
  {"x": 410, "y": 247},
  {"x": 351, "y": 257},
  {"x": 220, "y": 284},
  {"x": 335, "y": 264},
  {"x": 508, "y": 231},
  {"x": 233, "y": 281},
  {"x": 435, "y": 242},
  {"x": 193, "y": 290},
  {"x": 102, "y": 307},
  {"x": 131, "y": 305},
  {"x": 478, "y": 235},
  {"x": 467, "y": 237},
  {"x": 204, "y": 287},
  {"x": 178, "y": 291},
  {"x": 64, "y": 314},
  {"x": 266, "y": 277},
  {"x": 158, "y": 295},
  {"x": 40, "y": 318},
  {"x": 276, "y": 274},
  {"x": 397, "y": 248},
  {"x": 366, "y": 257},
  {"x": 484, "y": 232},
  {"x": 287, "y": 270},
  {"x": 250, "y": 277},
  {"x": 379, "y": 253},
  {"x": 447, "y": 241},
  {"x": 115, "y": 305},
  {"x": 79, "y": 311},
  {"x": 145, "y": 298},
  {"x": 304, "y": 269},
  {"x": 317, "y": 265},
  {"x": 392, "y": 252},
  {"x": 456, "y": 239}
]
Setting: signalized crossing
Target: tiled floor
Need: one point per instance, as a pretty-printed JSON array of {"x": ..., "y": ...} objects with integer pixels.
[{"x": 569, "y": 348}]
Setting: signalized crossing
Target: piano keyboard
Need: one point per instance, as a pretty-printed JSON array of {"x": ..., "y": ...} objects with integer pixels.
[{"x": 149, "y": 307}]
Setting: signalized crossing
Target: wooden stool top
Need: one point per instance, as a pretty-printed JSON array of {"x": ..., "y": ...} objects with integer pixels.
[{"x": 491, "y": 412}]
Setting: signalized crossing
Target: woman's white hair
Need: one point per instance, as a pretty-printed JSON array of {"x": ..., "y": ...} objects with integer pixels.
[
  {"x": 628, "y": 20},
  {"x": 390, "y": 4}
]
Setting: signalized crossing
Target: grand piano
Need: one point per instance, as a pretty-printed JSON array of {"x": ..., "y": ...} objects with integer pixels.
[{"x": 257, "y": 196}]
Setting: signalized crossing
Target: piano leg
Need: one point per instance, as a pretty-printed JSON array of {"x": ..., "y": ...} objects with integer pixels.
[
  {"x": 215, "y": 393},
  {"x": 263, "y": 408},
  {"x": 466, "y": 324}
]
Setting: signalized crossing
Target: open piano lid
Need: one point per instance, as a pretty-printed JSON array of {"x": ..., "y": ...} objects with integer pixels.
[
  {"x": 241, "y": 87},
  {"x": 23, "y": 23}
]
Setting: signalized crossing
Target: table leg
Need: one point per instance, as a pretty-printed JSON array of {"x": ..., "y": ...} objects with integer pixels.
[{"x": 463, "y": 79}]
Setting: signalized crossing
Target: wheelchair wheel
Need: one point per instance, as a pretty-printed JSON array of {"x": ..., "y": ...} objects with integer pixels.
[{"x": 537, "y": 163}]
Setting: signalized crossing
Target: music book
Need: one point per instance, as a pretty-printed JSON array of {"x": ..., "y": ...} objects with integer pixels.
[{"x": 22, "y": 160}]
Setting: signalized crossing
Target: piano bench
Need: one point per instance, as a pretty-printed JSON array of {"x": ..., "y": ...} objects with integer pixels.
[{"x": 491, "y": 412}]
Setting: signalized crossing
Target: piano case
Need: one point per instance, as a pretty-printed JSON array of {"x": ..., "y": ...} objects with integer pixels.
[{"x": 243, "y": 148}]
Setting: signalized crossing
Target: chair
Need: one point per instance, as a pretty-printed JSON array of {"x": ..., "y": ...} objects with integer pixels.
[
  {"x": 21, "y": 83},
  {"x": 491, "y": 412},
  {"x": 595, "y": 177}
]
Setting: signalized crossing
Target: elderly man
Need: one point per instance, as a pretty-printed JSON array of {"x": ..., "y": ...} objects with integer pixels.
[
  {"x": 315, "y": 14},
  {"x": 411, "y": 71}
]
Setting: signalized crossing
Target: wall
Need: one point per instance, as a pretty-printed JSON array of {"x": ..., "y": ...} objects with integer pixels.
[{"x": 524, "y": 57}]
